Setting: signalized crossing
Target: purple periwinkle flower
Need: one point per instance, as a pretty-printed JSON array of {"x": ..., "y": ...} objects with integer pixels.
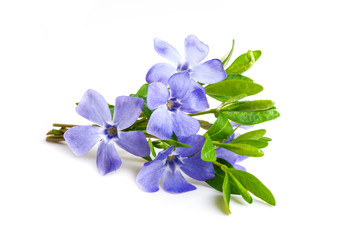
[
  {"x": 169, "y": 163},
  {"x": 93, "y": 107},
  {"x": 209, "y": 72},
  {"x": 184, "y": 96},
  {"x": 233, "y": 158}
]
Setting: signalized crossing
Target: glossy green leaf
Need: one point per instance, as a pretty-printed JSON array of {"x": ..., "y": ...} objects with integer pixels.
[
  {"x": 251, "y": 118},
  {"x": 221, "y": 129},
  {"x": 248, "y": 106},
  {"x": 241, "y": 149},
  {"x": 226, "y": 189},
  {"x": 244, "y": 62},
  {"x": 235, "y": 76},
  {"x": 208, "y": 152},
  {"x": 161, "y": 144},
  {"x": 227, "y": 89},
  {"x": 253, "y": 185},
  {"x": 226, "y": 58},
  {"x": 252, "y": 135},
  {"x": 57, "y": 132},
  {"x": 245, "y": 194}
]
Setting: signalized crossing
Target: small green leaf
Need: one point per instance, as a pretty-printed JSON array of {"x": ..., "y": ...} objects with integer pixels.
[
  {"x": 252, "y": 135},
  {"x": 147, "y": 158},
  {"x": 235, "y": 76},
  {"x": 254, "y": 143},
  {"x": 249, "y": 106},
  {"x": 205, "y": 125},
  {"x": 227, "y": 89},
  {"x": 152, "y": 149},
  {"x": 160, "y": 144},
  {"x": 170, "y": 142},
  {"x": 208, "y": 152},
  {"x": 241, "y": 149},
  {"x": 244, "y": 62},
  {"x": 265, "y": 139},
  {"x": 245, "y": 194},
  {"x": 253, "y": 185},
  {"x": 111, "y": 108},
  {"x": 226, "y": 189},
  {"x": 221, "y": 129},
  {"x": 56, "y": 132},
  {"x": 143, "y": 90},
  {"x": 251, "y": 118},
  {"x": 226, "y": 58}
]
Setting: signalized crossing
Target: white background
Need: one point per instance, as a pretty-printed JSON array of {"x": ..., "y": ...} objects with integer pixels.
[{"x": 51, "y": 52}]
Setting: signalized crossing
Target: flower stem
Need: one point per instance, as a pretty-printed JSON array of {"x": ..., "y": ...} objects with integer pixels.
[
  {"x": 202, "y": 113},
  {"x": 64, "y": 125}
]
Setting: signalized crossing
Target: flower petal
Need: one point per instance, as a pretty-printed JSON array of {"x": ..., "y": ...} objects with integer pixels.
[
  {"x": 94, "y": 108},
  {"x": 167, "y": 51},
  {"x": 209, "y": 72},
  {"x": 195, "y": 141},
  {"x": 175, "y": 183},
  {"x": 150, "y": 175},
  {"x": 158, "y": 94},
  {"x": 229, "y": 156},
  {"x": 184, "y": 125},
  {"x": 133, "y": 142},
  {"x": 239, "y": 167},
  {"x": 179, "y": 84},
  {"x": 108, "y": 159},
  {"x": 195, "y": 50},
  {"x": 81, "y": 139},
  {"x": 196, "y": 100},
  {"x": 198, "y": 169},
  {"x": 127, "y": 110},
  {"x": 160, "y": 123},
  {"x": 160, "y": 72}
]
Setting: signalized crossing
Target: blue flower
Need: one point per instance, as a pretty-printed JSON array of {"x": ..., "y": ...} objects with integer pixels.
[
  {"x": 231, "y": 157},
  {"x": 184, "y": 96},
  {"x": 93, "y": 107},
  {"x": 209, "y": 72},
  {"x": 169, "y": 163}
]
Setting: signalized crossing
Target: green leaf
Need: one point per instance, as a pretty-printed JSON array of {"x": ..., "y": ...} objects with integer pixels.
[
  {"x": 57, "y": 132},
  {"x": 152, "y": 149},
  {"x": 226, "y": 189},
  {"x": 143, "y": 90},
  {"x": 160, "y": 144},
  {"x": 217, "y": 181},
  {"x": 245, "y": 194},
  {"x": 221, "y": 129},
  {"x": 235, "y": 76},
  {"x": 227, "y": 89},
  {"x": 253, "y": 185},
  {"x": 226, "y": 58},
  {"x": 265, "y": 139},
  {"x": 251, "y": 118},
  {"x": 111, "y": 108},
  {"x": 170, "y": 142},
  {"x": 252, "y": 135},
  {"x": 148, "y": 158},
  {"x": 232, "y": 100},
  {"x": 254, "y": 143},
  {"x": 244, "y": 62},
  {"x": 249, "y": 106},
  {"x": 241, "y": 149},
  {"x": 205, "y": 125},
  {"x": 208, "y": 152}
]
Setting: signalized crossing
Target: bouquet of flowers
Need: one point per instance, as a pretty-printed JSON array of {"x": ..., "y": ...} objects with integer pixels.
[{"x": 159, "y": 123}]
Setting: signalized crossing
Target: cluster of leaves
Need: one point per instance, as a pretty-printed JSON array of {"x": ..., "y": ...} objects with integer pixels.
[{"x": 230, "y": 92}]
